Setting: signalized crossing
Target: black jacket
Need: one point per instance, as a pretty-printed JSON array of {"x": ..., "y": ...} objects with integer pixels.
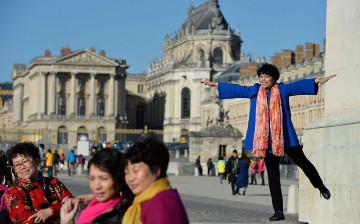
[
  {"x": 232, "y": 168},
  {"x": 115, "y": 216}
]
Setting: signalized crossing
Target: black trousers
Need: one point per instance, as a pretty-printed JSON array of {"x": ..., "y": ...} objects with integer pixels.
[{"x": 272, "y": 165}]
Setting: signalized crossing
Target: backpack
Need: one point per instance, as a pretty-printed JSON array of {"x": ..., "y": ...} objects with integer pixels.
[{"x": 4, "y": 215}]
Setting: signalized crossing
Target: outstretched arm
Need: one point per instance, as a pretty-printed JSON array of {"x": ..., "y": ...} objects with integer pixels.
[
  {"x": 323, "y": 80},
  {"x": 209, "y": 83}
]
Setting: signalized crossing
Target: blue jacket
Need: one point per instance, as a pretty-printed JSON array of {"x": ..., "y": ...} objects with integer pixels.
[{"x": 301, "y": 87}]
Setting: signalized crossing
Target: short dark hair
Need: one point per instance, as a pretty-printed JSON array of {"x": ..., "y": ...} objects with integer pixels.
[
  {"x": 110, "y": 161},
  {"x": 235, "y": 151},
  {"x": 24, "y": 148},
  {"x": 269, "y": 69},
  {"x": 150, "y": 151}
]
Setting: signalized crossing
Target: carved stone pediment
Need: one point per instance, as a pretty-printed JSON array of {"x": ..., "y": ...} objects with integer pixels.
[{"x": 85, "y": 57}]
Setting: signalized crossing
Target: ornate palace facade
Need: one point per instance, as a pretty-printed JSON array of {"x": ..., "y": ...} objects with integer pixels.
[
  {"x": 203, "y": 46},
  {"x": 77, "y": 95}
]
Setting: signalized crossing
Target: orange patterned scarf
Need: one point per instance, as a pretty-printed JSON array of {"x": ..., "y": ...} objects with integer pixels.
[{"x": 261, "y": 135}]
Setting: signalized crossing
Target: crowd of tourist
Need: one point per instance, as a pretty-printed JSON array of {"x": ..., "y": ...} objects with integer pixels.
[{"x": 126, "y": 188}]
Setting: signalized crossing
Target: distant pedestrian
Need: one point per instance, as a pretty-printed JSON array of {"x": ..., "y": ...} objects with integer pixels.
[
  {"x": 198, "y": 166},
  {"x": 56, "y": 162},
  {"x": 254, "y": 169},
  {"x": 242, "y": 180},
  {"x": 262, "y": 170},
  {"x": 62, "y": 161},
  {"x": 42, "y": 157},
  {"x": 49, "y": 163},
  {"x": 71, "y": 160},
  {"x": 210, "y": 166},
  {"x": 232, "y": 170},
  {"x": 221, "y": 168},
  {"x": 93, "y": 150},
  {"x": 225, "y": 161},
  {"x": 80, "y": 162}
]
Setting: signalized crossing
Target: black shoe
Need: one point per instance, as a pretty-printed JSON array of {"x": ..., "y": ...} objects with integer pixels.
[
  {"x": 243, "y": 192},
  {"x": 325, "y": 192},
  {"x": 277, "y": 216}
]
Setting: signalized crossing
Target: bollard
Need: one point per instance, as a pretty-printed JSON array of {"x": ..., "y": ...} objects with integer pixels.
[
  {"x": 80, "y": 169},
  {"x": 196, "y": 172},
  {"x": 177, "y": 154},
  {"x": 293, "y": 199},
  {"x": 186, "y": 153}
]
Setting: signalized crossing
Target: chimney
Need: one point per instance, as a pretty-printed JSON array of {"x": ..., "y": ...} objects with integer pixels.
[
  {"x": 276, "y": 60},
  {"x": 317, "y": 50},
  {"x": 309, "y": 50},
  {"x": 92, "y": 49},
  {"x": 65, "y": 51},
  {"x": 102, "y": 53},
  {"x": 47, "y": 53},
  {"x": 299, "y": 55},
  {"x": 287, "y": 58}
]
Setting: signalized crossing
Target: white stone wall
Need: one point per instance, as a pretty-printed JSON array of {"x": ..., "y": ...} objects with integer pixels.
[{"x": 332, "y": 143}]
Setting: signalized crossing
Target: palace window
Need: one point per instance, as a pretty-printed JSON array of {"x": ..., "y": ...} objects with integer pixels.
[
  {"x": 62, "y": 135},
  {"x": 81, "y": 106},
  {"x": 101, "y": 106},
  {"x": 185, "y": 103},
  {"x": 218, "y": 56},
  {"x": 62, "y": 105}
]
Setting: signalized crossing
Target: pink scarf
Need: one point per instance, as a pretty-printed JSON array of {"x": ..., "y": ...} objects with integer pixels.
[
  {"x": 261, "y": 135},
  {"x": 96, "y": 208}
]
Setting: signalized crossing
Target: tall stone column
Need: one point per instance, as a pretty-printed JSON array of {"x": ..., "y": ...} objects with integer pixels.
[
  {"x": 73, "y": 94},
  {"x": 92, "y": 94},
  {"x": 42, "y": 93},
  {"x": 111, "y": 95},
  {"x": 18, "y": 106},
  {"x": 333, "y": 142},
  {"x": 52, "y": 99}
]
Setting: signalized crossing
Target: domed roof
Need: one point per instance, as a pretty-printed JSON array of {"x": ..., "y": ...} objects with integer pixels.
[{"x": 204, "y": 16}]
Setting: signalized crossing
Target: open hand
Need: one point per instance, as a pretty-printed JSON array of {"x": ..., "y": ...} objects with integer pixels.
[
  {"x": 42, "y": 215},
  {"x": 323, "y": 80},
  {"x": 209, "y": 83}
]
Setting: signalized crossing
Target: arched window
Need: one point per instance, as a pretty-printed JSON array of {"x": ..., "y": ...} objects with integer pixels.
[
  {"x": 201, "y": 57},
  {"x": 101, "y": 134},
  {"x": 185, "y": 103},
  {"x": 218, "y": 56},
  {"x": 82, "y": 134},
  {"x": 62, "y": 135}
]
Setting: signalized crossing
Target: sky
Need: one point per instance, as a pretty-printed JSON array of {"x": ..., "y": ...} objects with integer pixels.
[{"x": 134, "y": 30}]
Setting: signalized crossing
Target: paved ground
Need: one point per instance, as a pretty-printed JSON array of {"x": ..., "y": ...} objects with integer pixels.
[{"x": 208, "y": 201}]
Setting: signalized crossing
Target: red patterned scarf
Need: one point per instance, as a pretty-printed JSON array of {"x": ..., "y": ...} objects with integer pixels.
[{"x": 261, "y": 135}]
